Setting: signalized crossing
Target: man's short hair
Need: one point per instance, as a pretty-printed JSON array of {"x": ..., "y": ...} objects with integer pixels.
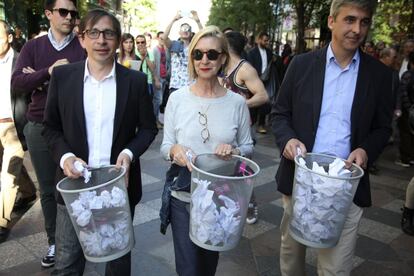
[
  {"x": 141, "y": 36},
  {"x": 7, "y": 27},
  {"x": 237, "y": 41},
  {"x": 367, "y": 5},
  {"x": 93, "y": 16},
  {"x": 410, "y": 40},
  {"x": 50, "y": 4},
  {"x": 159, "y": 34},
  {"x": 262, "y": 34},
  {"x": 386, "y": 52}
]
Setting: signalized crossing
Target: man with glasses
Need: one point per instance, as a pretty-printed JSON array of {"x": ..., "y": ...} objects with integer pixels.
[
  {"x": 147, "y": 65},
  {"x": 98, "y": 113},
  {"x": 179, "y": 52},
  {"x": 37, "y": 60}
]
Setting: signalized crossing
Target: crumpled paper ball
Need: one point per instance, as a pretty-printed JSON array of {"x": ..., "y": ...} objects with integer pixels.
[
  {"x": 211, "y": 222},
  {"x": 320, "y": 203}
]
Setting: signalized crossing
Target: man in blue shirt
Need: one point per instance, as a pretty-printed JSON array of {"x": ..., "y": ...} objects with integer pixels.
[{"x": 335, "y": 101}]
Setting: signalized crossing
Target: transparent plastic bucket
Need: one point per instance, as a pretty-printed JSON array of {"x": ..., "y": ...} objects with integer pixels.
[
  {"x": 220, "y": 194},
  {"x": 100, "y": 213},
  {"x": 319, "y": 213}
]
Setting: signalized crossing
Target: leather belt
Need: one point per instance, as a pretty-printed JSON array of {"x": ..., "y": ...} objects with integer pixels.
[{"x": 6, "y": 120}]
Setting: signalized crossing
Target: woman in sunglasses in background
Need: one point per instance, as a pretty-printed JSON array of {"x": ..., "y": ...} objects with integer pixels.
[
  {"x": 203, "y": 117},
  {"x": 127, "y": 50}
]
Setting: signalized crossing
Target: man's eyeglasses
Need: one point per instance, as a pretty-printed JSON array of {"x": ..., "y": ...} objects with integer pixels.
[
  {"x": 141, "y": 42},
  {"x": 64, "y": 12},
  {"x": 202, "y": 119},
  {"x": 211, "y": 54},
  {"x": 95, "y": 33}
]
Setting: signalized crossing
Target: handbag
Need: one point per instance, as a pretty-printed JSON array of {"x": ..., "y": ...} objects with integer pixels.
[{"x": 266, "y": 74}]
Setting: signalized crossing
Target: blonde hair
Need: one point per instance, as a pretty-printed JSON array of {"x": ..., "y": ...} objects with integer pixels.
[{"x": 209, "y": 31}]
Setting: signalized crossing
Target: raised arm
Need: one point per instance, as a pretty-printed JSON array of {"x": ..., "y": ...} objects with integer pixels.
[{"x": 166, "y": 34}]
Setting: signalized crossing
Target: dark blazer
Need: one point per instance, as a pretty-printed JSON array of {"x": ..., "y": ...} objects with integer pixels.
[
  {"x": 254, "y": 58},
  {"x": 297, "y": 109},
  {"x": 134, "y": 122},
  {"x": 19, "y": 103}
]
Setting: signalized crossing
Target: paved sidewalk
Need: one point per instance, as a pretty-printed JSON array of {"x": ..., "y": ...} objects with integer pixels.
[{"x": 382, "y": 248}]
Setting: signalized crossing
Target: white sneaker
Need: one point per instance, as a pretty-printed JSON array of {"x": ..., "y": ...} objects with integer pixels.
[
  {"x": 252, "y": 214},
  {"x": 49, "y": 259}
]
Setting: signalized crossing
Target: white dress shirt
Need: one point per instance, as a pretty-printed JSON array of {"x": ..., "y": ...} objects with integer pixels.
[
  {"x": 5, "y": 76},
  {"x": 99, "y": 101},
  {"x": 403, "y": 67},
  {"x": 263, "y": 55}
]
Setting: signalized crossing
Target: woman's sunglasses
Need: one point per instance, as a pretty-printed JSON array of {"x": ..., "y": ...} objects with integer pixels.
[{"x": 211, "y": 54}]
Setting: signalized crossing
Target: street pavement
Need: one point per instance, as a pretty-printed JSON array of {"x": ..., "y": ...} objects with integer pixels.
[{"x": 382, "y": 248}]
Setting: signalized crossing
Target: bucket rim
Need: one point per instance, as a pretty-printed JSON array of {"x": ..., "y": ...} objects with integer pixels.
[
  {"x": 228, "y": 177},
  {"x": 123, "y": 170},
  {"x": 329, "y": 176}
]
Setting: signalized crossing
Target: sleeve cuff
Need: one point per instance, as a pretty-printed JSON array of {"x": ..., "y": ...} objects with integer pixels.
[
  {"x": 129, "y": 153},
  {"x": 64, "y": 157}
]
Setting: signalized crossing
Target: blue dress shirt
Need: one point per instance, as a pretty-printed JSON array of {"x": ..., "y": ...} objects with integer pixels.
[{"x": 333, "y": 136}]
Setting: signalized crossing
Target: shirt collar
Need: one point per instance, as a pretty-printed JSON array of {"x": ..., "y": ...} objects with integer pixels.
[
  {"x": 59, "y": 46},
  {"x": 330, "y": 57},
  {"x": 88, "y": 74},
  {"x": 8, "y": 57}
]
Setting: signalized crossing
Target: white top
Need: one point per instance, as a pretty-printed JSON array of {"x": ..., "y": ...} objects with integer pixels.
[
  {"x": 179, "y": 68},
  {"x": 227, "y": 120},
  {"x": 99, "y": 98},
  {"x": 263, "y": 55},
  {"x": 5, "y": 76},
  {"x": 403, "y": 67}
]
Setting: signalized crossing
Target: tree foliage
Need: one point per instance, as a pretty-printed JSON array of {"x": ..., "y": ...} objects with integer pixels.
[
  {"x": 393, "y": 21},
  {"x": 253, "y": 16},
  {"x": 140, "y": 14},
  {"x": 245, "y": 16}
]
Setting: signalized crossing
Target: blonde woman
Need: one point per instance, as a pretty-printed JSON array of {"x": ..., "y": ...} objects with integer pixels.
[{"x": 203, "y": 117}]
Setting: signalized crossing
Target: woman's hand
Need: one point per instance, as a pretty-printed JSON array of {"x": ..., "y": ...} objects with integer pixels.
[
  {"x": 224, "y": 150},
  {"x": 179, "y": 155}
]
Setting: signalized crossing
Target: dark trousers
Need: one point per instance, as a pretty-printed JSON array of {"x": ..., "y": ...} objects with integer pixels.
[
  {"x": 45, "y": 169},
  {"x": 165, "y": 96},
  {"x": 69, "y": 255},
  {"x": 406, "y": 146},
  {"x": 190, "y": 259},
  {"x": 258, "y": 114}
]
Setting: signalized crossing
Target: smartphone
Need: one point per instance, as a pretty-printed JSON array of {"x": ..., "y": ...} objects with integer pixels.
[{"x": 185, "y": 13}]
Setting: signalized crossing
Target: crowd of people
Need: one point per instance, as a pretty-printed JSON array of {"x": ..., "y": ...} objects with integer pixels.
[{"x": 210, "y": 91}]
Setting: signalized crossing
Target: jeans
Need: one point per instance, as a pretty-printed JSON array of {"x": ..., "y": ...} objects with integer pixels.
[
  {"x": 190, "y": 259},
  {"x": 69, "y": 259},
  {"x": 45, "y": 169},
  {"x": 157, "y": 97}
]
